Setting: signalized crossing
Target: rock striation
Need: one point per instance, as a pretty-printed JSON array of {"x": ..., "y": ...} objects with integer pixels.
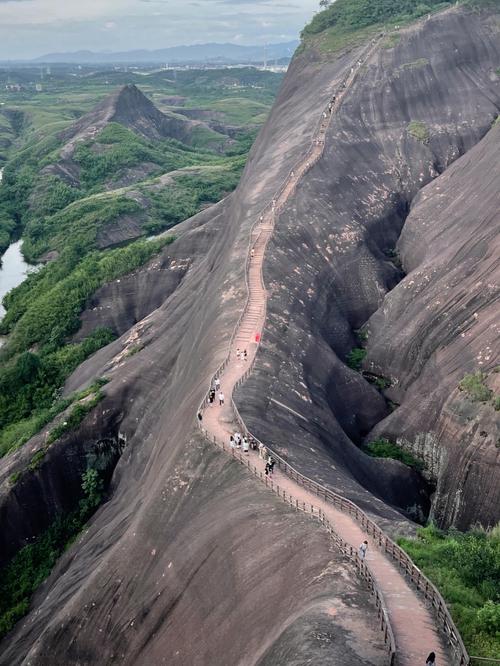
[
  {"x": 441, "y": 322},
  {"x": 332, "y": 263}
]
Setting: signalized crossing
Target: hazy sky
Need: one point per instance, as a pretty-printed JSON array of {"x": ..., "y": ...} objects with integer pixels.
[{"x": 30, "y": 28}]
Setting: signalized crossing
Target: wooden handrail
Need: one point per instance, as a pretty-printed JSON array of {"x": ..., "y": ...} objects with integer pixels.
[{"x": 346, "y": 548}]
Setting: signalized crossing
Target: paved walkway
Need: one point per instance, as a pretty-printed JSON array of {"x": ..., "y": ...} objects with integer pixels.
[{"x": 413, "y": 623}]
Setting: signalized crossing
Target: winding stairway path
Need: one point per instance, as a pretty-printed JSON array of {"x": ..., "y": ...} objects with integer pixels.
[{"x": 408, "y": 618}]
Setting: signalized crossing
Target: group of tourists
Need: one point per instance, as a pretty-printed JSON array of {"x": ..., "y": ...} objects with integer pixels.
[
  {"x": 249, "y": 443},
  {"x": 241, "y": 354},
  {"x": 236, "y": 441},
  {"x": 215, "y": 389}
]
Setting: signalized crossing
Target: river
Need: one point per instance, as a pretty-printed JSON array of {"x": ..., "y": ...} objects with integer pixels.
[{"x": 13, "y": 270}]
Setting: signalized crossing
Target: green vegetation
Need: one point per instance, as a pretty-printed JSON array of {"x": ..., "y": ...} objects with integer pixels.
[
  {"x": 29, "y": 388},
  {"x": 355, "y": 358},
  {"x": 75, "y": 417},
  {"x": 473, "y": 385},
  {"x": 69, "y": 220},
  {"x": 466, "y": 570},
  {"x": 362, "y": 335},
  {"x": 382, "y": 383},
  {"x": 80, "y": 221},
  {"x": 383, "y": 448},
  {"x": 33, "y": 563},
  {"x": 419, "y": 130},
  {"x": 391, "y": 40},
  {"x": 352, "y": 15},
  {"x": 135, "y": 349},
  {"x": 117, "y": 148},
  {"x": 14, "y": 478},
  {"x": 44, "y": 311},
  {"x": 415, "y": 64},
  {"x": 86, "y": 403},
  {"x": 189, "y": 192}
]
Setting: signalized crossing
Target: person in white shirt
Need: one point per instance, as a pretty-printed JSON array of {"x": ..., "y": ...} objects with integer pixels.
[{"x": 362, "y": 550}]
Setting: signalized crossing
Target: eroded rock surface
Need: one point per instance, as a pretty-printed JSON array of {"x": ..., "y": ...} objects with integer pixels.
[
  {"x": 441, "y": 322},
  {"x": 330, "y": 264}
]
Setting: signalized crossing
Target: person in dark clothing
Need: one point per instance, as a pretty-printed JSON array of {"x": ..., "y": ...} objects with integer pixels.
[
  {"x": 200, "y": 417},
  {"x": 431, "y": 659},
  {"x": 211, "y": 396}
]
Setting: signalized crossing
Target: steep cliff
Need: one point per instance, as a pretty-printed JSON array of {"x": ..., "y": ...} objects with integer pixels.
[
  {"x": 440, "y": 323},
  {"x": 418, "y": 106}
]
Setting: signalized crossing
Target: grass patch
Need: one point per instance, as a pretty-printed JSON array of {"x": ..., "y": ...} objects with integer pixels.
[
  {"x": 350, "y": 15},
  {"x": 466, "y": 570},
  {"x": 47, "y": 305},
  {"x": 383, "y": 448},
  {"x": 87, "y": 401},
  {"x": 80, "y": 221},
  {"x": 391, "y": 40},
  {"x": 14, "y": 478},
  {"x": 122, "y": 149},
  {"x": 135, "y": 349},
  {"x": 41, "y": 314},
  {"x": 473, "y": 385},
  {"x": 188, "y": 193},
  {"x": 14, "y": 436},
  {"x": 419, "y": 130},
  {"x": 416, "y": 64},
  {"x": 355, "y": 358},
  {"x": 382, "y": 383}
]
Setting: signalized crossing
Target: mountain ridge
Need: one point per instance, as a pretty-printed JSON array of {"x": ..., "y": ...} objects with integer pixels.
[{"x": 225, "y": 52}]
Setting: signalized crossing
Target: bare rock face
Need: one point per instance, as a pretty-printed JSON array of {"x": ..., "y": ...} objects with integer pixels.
[
  {"x": 413, "y": 111},
  {"x": 189, "y": 561},
  {"x": 441, "y": 322}
]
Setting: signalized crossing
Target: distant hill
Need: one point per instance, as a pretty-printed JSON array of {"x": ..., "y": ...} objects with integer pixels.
[
  {"x": 196, "y": 53},
  {"x": 95, "y": 151}
]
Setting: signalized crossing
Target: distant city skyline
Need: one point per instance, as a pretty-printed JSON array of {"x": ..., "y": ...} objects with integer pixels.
[{"x": 32, "y": 28}]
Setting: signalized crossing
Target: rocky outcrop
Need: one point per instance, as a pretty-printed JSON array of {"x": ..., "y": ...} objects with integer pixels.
[
  {"x": 331, "y": 261},
  {"x": 440, "y": 323}
]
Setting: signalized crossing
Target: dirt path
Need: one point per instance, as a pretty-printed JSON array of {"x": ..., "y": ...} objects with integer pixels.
[{"x": 412, "y": 621}]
